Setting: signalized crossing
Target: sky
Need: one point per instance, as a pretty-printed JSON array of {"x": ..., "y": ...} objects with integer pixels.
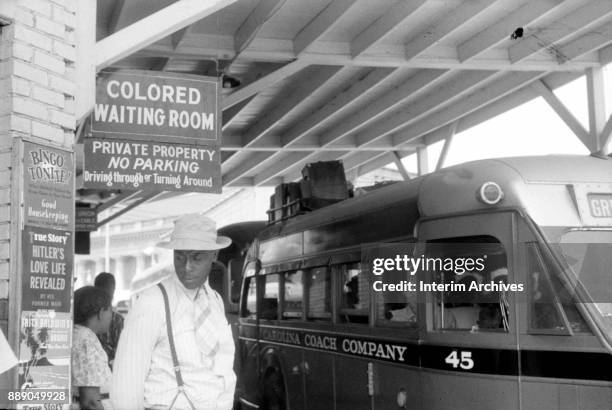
[{"x": 530, "y": 129}]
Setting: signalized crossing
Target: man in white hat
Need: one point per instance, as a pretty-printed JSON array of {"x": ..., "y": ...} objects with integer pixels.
[{"x": 192, "y": 369}]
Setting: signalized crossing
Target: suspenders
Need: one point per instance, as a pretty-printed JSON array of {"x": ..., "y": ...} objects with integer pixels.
[{"x": 177, "y": 369}]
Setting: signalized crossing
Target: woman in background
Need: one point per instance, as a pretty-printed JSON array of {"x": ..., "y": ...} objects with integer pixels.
[{"x": 90, "y": 372}]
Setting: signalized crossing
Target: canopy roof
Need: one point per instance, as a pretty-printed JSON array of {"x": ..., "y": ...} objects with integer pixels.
[{"x": 368, "y": 81}]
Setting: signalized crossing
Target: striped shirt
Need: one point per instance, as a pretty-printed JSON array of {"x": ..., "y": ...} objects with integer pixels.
[{"x": 142, "y": 373}]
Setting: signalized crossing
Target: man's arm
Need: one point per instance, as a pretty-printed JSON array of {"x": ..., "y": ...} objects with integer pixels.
[{"x": 136, "y": 343}]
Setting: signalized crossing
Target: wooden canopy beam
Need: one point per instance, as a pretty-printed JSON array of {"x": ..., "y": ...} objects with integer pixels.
[{"x": 153, "y": 28}]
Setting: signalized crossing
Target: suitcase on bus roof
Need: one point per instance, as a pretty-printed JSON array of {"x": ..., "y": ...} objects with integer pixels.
[{"x": 323, "y": 183}]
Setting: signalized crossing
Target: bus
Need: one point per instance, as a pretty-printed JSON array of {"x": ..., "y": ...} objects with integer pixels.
[{"x": 314, "y": 333}]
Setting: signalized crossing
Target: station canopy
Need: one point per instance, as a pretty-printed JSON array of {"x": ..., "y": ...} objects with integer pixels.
[{"x": 364, "y": 81}]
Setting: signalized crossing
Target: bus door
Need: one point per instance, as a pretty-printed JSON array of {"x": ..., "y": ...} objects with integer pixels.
[
  {"x": 354, "y": 368},
  {"x": 560, "y": 354},
  {"x": 469, "y": 353},
  {"x": 248, "y": 334},
  {"x": 281, "y": 315},
  {"x": 396, "y": 317}
]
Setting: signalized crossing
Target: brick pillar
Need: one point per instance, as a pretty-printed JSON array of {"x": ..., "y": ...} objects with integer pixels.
[{"x": 37, "y": 89}]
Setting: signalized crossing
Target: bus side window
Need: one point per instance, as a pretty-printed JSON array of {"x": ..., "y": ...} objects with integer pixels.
[
  {"x": 269, "y": 303},
  {"x": 249, "y": 305},
  {"x": 395, "y": 308},
  {"x": 355, "y": 300},
  {"x": 549, "y": 300},
  {"x": 318, "y": 285},
  {"x": 460, "y": 308},
  {"x": 293, "y": 295}
]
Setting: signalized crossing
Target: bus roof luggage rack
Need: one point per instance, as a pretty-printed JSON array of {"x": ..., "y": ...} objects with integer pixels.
[{"x": 323, "y": 183}]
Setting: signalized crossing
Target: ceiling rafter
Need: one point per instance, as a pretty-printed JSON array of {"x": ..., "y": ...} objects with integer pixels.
[
  {"x": 506, "y": 86},
  {"x": 342, "y": 102},
  {"x": 510, "y": 99},
  {"x": 321, "y": 24},
  {"x": 418, "y": 83},
  {"x": 597, "y": 38},
  {"x": 384, "y": 55},
  {"x": 495, "y": 108},
  {"x": 232, "y": 113},
  {"x": 448, "y": 92},
  {"x": 178, "y": 38},
  {"x": 152, "y": 28},
  {"x": 252, "y": 161},
  {"x": 445, "y": 26},
  {"x": 161, "y": 64},
  {"x": 278, "y": 149},
  {"x": 256, "y": 86},
  {"x": 113, "y": 22},
  {"x": 464, "y": 106},
  {"x": 356, "y": 159},
  {"x": 397, "y": 15},
  {"x": 503, "y": 28},
  {"x": 247, "y": 32},
  {"x": 578, "y": 21},
  {"x": 289, "y": 103},
  {"x": 291, "y": 161},
  {"x": 480, "y": 97},
  {"x": 377, "y": 162},
  {"x": 288, "y": 159}
]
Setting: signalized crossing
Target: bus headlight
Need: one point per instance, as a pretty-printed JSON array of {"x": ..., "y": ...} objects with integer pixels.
[{"x": 490, "y": 193}]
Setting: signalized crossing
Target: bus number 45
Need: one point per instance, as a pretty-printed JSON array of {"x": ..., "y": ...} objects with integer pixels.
[{"x": 465, "y": 362}]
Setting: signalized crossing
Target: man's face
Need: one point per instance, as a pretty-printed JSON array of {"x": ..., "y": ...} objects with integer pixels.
[
  {"x": 193, "y": 267},
  {"x": 110, "y": 289}
]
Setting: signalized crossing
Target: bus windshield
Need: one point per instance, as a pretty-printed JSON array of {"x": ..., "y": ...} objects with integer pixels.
[{"x": 588, "y": 254}]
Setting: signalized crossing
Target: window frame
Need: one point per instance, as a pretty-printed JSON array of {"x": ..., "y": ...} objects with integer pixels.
[
  {"x": 262, "y": 282},
  {"x": 307, "y": 286},
  {"x": 338, "y": 270},
  {"x": 545, "y": 272},
  {"x": 282, "y": 317},
  {"x": 439, "y": 310}
]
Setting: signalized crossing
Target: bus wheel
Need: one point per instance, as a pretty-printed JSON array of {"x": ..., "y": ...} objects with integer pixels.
[{"x": 273, "y": 392}]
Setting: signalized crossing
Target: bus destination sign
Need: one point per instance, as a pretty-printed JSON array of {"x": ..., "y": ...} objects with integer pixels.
[
  {"x": 594, "y": 203},
  {"x": 600, "y": 205}
]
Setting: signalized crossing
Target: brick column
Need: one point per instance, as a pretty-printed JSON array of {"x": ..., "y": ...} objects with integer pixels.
[{"x": 37, "y": 88}]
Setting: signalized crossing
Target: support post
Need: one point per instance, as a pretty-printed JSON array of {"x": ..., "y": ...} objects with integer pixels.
[
  {"x": 400, "y": 166},
  {"x": 597, "y": 106},
  {"x": 422, "y": 160},
  {"x": 37, "y": 90},
  {"x": 568, "y": 118},
  {"x": 447, "y": 143},
  {"x": 606, "y": 137}
]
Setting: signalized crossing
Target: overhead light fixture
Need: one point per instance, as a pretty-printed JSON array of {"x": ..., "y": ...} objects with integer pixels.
[{"x": 229, "y": 82}]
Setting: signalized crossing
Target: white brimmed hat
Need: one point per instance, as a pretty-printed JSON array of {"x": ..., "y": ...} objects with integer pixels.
[{"x": 194, "y": 232}]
